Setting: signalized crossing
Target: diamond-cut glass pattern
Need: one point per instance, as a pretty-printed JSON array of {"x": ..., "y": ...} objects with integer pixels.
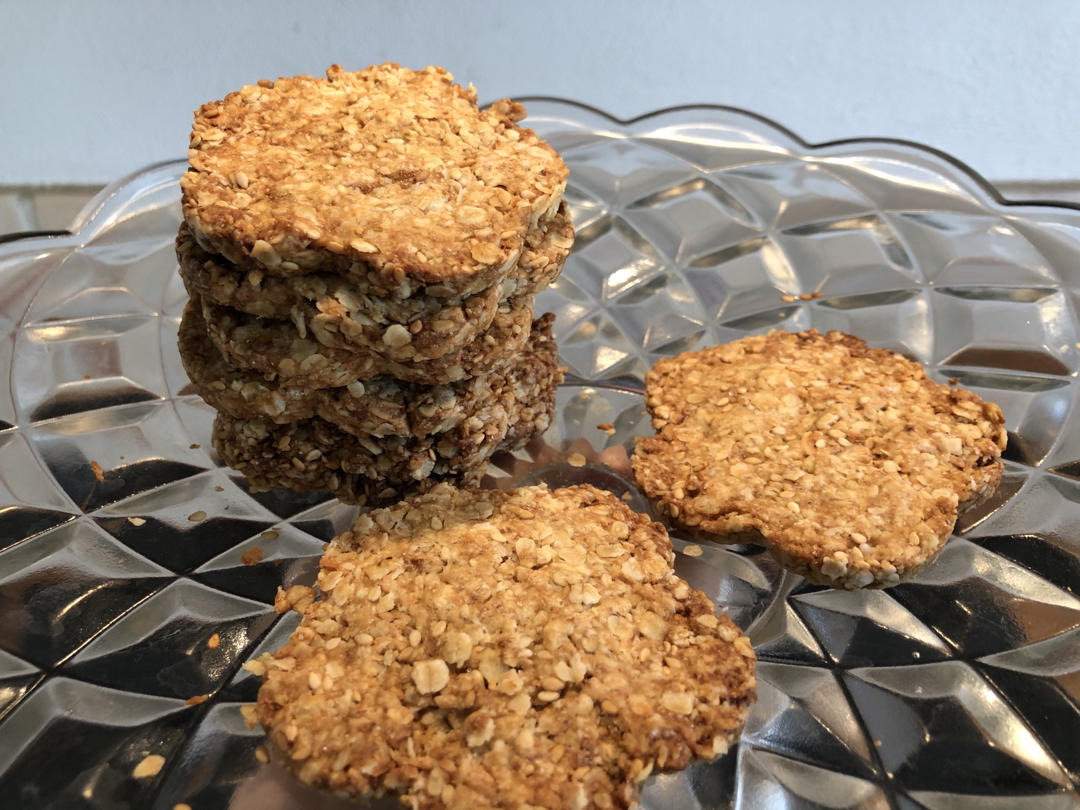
[
  {"x": 137, "y": 575},
  {"x": 82, "y": 742},
  {"x": 186, "y": 640}
]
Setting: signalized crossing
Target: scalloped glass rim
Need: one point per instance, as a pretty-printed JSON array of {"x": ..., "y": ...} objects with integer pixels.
[{"x": 100, "y": 209}]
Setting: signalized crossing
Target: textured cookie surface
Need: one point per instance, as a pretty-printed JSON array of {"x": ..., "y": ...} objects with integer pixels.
[
  {"x": 849, "y": 462},
  {"x": 381, "y": 406},
  {"x": 386, "y": 168},
  {"x": 302, "y": 457},
  {"x": 504, "y": 649},
  {"x": 393, "y": 458},
  {"x": 396, "y": 458},
  {"x": 316, "y": 455},
  {"x": 276, "y": 348},
  {"x": 339, "y": 313}
]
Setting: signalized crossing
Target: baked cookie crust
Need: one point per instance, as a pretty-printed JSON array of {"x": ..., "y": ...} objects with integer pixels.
[
  {"x": 386, "y": 173},
  {"x": 848, "y": 462},
  {"x": 340, "y": 314},
  {"x": 316, "y": 455},
  {"x": 530, "y": 648},
  {"x": 277, "y": 349},
  {"x": 380, "y": 406}
]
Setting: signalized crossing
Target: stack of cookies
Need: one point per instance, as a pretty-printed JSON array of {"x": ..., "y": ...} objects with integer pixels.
[{"x": 362, "y": 254}]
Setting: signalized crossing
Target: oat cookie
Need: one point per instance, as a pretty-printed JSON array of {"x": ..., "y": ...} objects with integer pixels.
[
  {"x": 267, "y": 466},
  {"x": 531, "y": 648},
  {"x": 394, "y": 458},
  {"x": 276, "y": 348},
  {"x": 340, "y": 314},
  {"x": 316, "y": 455},
  {"x": 848, "y": 462},
  {"x": 386, "y": 173},
  {"x": 380, "y": 406}
]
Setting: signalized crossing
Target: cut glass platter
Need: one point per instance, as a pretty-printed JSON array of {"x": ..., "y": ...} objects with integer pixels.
[{"x": 137, "y": 575}]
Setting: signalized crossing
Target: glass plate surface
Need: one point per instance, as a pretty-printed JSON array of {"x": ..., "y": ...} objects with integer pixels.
[{"x": 137, "y": 574}]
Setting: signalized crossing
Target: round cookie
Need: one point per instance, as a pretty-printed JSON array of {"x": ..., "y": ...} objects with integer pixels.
[
  {"x": 849, "y": 463},
  {"x": 380, "y": 406},
  {"x": 530, "y": 648},
  {"x": 276, "y": 348},
  {"x": 315, "y": 455},
  {"x": 340, "y": 314},
  {"x": 296, "y": 457},
  {"x": 393, "y": 458},
  {"x": 386, "y": 173}
]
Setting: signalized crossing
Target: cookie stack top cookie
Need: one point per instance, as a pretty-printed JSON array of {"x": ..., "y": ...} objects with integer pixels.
[{"x": 390, "y": 175}]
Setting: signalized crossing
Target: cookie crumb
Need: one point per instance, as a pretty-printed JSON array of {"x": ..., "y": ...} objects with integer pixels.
[
  {"x": 99, "y": 473},
  {"x": 262, "y": 754},
  {"x": 253, "y": 556},
  {"x": 182, "y": 806},
  {"x": 193, "y": 446},
  {"x": 692, "y": 550},
  {"x": 269, "y": 534},
  {"x": 137, "y": 521},
  {"x": 575, "y": 460},
  {"x": 787, "y": 299},
  {"x": 219, "y": 488},
  {"x": 251, "y": 718},
  {"x": 195, "y": 700},
  {"x": 151, "y": 765},
  {"x": 197, "y": 517},
  {"x": 213, "y": 641}
]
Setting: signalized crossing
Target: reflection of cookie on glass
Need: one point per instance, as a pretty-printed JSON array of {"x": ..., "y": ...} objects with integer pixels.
[
  {"x": 849, "y": 463},
  {"x": 521, "y": 648}
]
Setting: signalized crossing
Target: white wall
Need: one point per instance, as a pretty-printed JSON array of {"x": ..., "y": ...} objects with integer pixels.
[{"x": 92, "y": 90}]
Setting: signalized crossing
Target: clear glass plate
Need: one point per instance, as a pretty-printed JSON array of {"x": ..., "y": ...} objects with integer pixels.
[{"x": 137, "y": 575}]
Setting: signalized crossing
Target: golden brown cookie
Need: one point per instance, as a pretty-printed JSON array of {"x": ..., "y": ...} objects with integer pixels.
[
  {"x": 295, "y": 446},
  {"x": 316, "y": 455},
  {"x": 304, "y": 466},
  {"x": 276, "y": 348},
  {"x": 380, "y": 406},
  {"x": 389, "y": 174},
  {"x": 848, "y": 462},
  {"x": 529, "y": 648},
  {"x": 340, "y": 314}
]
